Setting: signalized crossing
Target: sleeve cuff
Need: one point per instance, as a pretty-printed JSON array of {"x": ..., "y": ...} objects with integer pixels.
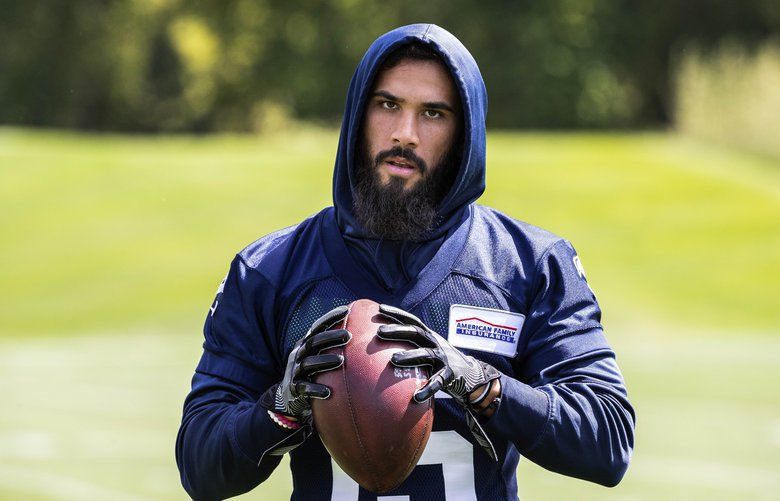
[
  {"x": 255, "y": 432},
  {"x": 522, "y": 416}
]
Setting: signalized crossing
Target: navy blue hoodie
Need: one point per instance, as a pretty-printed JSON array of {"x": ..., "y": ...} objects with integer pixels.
[
  {"x": 564, "y": 404},
  {"x": 393, "y": 264}
]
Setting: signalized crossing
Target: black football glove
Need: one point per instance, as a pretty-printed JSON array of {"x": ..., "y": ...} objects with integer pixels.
[
  {"x": 292, "y": 396},
  {"x": 454, "y": 373}
]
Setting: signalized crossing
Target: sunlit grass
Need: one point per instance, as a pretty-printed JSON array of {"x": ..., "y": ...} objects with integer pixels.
[
  {"x": 113, "y": 246},
  {"x": 107, "y": 232},
  {"x": 95, "y": 417},
  {"x": 662, "y": 230}
]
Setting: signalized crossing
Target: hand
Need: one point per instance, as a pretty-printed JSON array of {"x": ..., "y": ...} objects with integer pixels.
[
  {"x": 457, "y": 374},
  {"x": 292, "y": 396}
]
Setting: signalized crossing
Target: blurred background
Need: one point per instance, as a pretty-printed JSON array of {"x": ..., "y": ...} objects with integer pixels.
[{"x": 144, "y": 142}]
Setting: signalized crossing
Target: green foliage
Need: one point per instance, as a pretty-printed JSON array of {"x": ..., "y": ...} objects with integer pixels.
[
  {"x": 170, "y": 65},
  {"x": 731, "y": 96}
]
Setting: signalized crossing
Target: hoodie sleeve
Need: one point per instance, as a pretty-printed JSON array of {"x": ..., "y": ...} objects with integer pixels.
[
  {"x": 224, "y": 431},
  {"x": 573, "y": 417}
]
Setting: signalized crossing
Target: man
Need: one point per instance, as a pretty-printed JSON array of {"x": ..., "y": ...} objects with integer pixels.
[{"x": 499, "y": 308}]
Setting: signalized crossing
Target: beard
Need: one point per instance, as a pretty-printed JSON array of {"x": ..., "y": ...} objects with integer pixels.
[{"x": 392, "y": 212}]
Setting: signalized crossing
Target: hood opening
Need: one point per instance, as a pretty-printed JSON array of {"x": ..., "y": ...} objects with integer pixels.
[{"x": 469, "y": 180}]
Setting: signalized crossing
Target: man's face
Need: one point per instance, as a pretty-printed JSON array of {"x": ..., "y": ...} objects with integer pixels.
[{"x": 411, "y": 121}]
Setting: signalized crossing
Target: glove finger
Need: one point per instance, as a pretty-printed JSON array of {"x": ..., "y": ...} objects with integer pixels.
[
  {"x": 327, "y": 339},
  {"x": 414, "y": 358},
  {"x": 318, "y": 363},
  {"x": 399, "y": 315},
  {"x": 312, "y": 390},
  {"x": 328, "y": 320},
  {"x": 410, "y": 333},
  {"x": 435, "y": 383}
]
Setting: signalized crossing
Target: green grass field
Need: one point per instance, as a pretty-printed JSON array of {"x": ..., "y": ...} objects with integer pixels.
[{"x": 112, "y": 247}]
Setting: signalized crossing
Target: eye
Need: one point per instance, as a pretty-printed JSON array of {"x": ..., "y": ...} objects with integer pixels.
[
  {"x": 432, "y": 114},
  {"x": 388, "y": 105}
]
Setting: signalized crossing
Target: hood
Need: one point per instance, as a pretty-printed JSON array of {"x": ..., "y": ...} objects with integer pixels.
[{"x": 470, "y": 180}]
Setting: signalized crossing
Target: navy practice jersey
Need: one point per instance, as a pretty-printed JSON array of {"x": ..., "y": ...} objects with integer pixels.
[
  {"x": 564, "y": 404},
  {"x": 500, "y": 290}
]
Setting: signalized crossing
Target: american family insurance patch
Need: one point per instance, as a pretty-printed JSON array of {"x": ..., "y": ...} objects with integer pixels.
[{"x": 484, "y": 329}]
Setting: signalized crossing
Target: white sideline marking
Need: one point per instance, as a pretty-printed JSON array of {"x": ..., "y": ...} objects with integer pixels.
[{"x": 56, "y": 485}]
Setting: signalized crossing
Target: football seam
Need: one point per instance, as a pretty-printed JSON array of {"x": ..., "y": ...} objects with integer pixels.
[
  {"x": 416, "y": 458},
  {"x": 353, "y": 415}
]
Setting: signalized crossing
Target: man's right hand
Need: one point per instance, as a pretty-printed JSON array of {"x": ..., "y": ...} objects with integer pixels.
[{"x": 292, "y": 396}]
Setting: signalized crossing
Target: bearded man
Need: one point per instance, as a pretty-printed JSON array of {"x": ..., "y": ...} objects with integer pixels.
[{"x": 405, "y": 232}]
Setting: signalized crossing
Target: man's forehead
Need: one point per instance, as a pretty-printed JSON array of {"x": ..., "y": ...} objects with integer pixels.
[{"x": 423, "y": 80}]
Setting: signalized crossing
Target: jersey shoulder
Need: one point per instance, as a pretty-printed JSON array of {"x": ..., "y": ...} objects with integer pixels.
[
  {"x": 504, "y": 250},
  {"x": 501, "y": 229},
  {"x": 278, "y": 255}
]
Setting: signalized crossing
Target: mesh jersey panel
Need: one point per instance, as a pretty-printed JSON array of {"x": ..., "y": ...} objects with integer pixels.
[
  {"x": 462, "y": 289},
  {"x": 313, "y": 302},
  {"x": 455, "y": 289}
]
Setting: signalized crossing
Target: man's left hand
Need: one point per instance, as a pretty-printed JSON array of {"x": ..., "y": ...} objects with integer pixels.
[
  {"x": 464, "y": 378},
  {"x": 457, "y": 374}
]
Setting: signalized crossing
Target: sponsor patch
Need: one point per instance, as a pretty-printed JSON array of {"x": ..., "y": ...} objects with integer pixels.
[{"x": 485, "y": 329}]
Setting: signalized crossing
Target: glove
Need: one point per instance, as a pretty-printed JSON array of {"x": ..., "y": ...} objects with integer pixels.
[
  {"x": 455, "y": 373},
  {"x": 291, "y": 397}
]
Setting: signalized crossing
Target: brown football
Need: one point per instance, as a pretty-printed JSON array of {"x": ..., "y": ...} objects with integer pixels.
[{"x": 370, "y": 425}]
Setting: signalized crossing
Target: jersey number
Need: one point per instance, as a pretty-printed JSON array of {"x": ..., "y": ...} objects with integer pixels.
[{"x": 446, "y": 449}]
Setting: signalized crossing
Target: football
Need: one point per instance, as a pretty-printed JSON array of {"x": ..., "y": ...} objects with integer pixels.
[{"x": 370, "y": 425}]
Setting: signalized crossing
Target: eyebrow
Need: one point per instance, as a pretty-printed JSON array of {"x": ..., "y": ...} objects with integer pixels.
[{"x": 435, "y": 105}]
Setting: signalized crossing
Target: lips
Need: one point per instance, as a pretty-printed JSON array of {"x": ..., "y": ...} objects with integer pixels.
[
  {"x": 400, "y": 168},
  {"x": 401, "y": 162}
]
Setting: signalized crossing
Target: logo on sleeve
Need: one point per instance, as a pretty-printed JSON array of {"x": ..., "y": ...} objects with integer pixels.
[
  {"x": 485, "y": 329},
  {"x": 219, "y": 295},
  {"x": 578, "y": 265}
]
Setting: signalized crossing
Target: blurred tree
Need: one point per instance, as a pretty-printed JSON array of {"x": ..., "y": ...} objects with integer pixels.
[{"x": 203, "y": 65}]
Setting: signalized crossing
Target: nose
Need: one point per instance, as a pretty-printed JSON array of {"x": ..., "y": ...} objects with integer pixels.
[{"x": 405, "y": 132}]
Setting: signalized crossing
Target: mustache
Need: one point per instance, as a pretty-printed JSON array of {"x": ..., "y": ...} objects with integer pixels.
[{"x": 404, "y": 153}]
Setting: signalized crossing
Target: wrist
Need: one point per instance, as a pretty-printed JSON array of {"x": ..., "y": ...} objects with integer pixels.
[{"x": 485, "y": 399}]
